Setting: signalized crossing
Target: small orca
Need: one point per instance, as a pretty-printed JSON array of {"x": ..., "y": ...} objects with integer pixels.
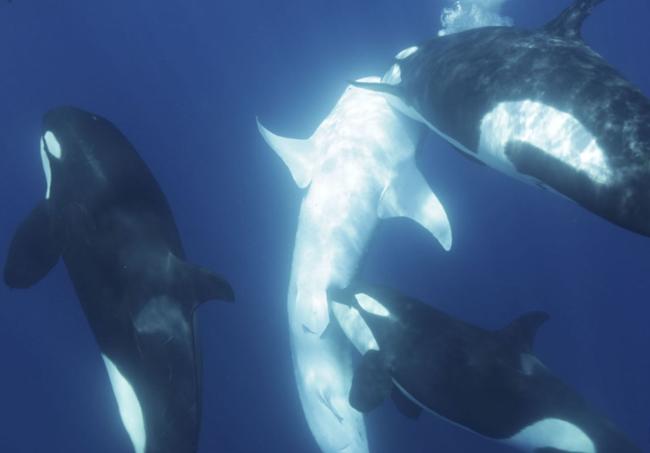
[
  {"x": 358, "y": 168},
  {"x": 486, "y": 381},
  {"x": 105, "y": 214},
  {"x": 538, "y": 105}
]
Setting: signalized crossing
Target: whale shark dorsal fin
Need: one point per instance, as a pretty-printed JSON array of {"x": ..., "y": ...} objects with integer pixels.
[
  {"x": 371, "y": 383},
  {"x": 409, "y": 195},
  {"x": 522, "y": 331},
  {"x": 569, "y": 23},
  {"x": 35, "y": 248},
  {"x": 298, "y": 155}
]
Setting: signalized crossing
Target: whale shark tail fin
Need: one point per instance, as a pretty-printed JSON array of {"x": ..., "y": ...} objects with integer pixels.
[
  {"x": 522, "y": 331},
  {"x": 297, "y": 154},
  {"x": 569, "y": 23},
  {"x": 35, "y": 248},
  {"x": 408, "y": 195}
]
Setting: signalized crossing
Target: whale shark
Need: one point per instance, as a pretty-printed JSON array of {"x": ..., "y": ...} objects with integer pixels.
[
  {"x": 538, "y": 105},
  {"x": 488, "y": 382},
  {"x": 106, "y": 216},
  {"x": 357, "y": 168}
]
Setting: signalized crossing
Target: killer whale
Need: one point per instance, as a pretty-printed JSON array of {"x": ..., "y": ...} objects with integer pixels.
[
  {"x": 357, "y": 168},
  {"x": 488, "y": 382},
  {"x": 106, "y": 216},
  {"x": 539, "y": 105}
]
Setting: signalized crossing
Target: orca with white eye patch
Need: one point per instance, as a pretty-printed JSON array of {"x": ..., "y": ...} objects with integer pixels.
[
  {"x": 488, "y": 382},
  {"x": 538, "y": 105},
  {"x": 106, "y": 216}
]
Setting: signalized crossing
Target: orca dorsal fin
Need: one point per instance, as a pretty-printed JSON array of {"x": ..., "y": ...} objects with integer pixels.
[
  {"x": 522, "y": 331},
  {"x": 297, "y": 154},
  {"x": 195, "y": 284},
  {"x": 569, "y": 23}
]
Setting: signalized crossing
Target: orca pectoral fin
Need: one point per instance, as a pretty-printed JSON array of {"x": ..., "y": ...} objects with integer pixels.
[
  {"x": 403, "y": 404},
  {"x": 409, "y": 195},
  {"x": 298, "y": 155},
  {"x": 371, "y": 383},
  {"x": 35, "y": 248}
]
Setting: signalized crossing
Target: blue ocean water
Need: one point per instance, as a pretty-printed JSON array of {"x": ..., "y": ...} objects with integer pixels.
[{"x": 184, "y": 80}]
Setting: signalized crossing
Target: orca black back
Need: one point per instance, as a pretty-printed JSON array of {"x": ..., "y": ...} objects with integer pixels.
[
  {"x": 106, "y": 216},
  {"x": 489, "y": 382}
]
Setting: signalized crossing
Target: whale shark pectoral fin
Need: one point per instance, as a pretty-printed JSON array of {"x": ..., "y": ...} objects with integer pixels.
[
  {"x": 569, "y": 23},
  {"x": 298, "y": 155},
  {"x": 371, "y": 383},
  {"x": 522, "y": 331},
  {"x": 409, "y": 195},
  {"x": 197, "y": 284},
  {"x": 35, "y": 248},
  {"x": 403, "y": 404}
]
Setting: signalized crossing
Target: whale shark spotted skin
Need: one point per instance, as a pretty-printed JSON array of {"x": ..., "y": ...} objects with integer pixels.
[
  {"x": 488, "y": 382},
  {"x": 538, "y": 105},
  {"x": 359, "y": 167}
]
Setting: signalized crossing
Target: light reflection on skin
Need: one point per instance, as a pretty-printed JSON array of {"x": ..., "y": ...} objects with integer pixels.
[
  {"x": 552, "y": 131},
  {"x": 357, "y": 156}
]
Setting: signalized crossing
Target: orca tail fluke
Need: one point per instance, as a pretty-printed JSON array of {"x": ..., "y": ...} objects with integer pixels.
[{"x": 569, "y": 23}]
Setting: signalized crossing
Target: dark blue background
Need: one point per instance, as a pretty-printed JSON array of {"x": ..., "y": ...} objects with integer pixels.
[{"x": 184, "y": 79}]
